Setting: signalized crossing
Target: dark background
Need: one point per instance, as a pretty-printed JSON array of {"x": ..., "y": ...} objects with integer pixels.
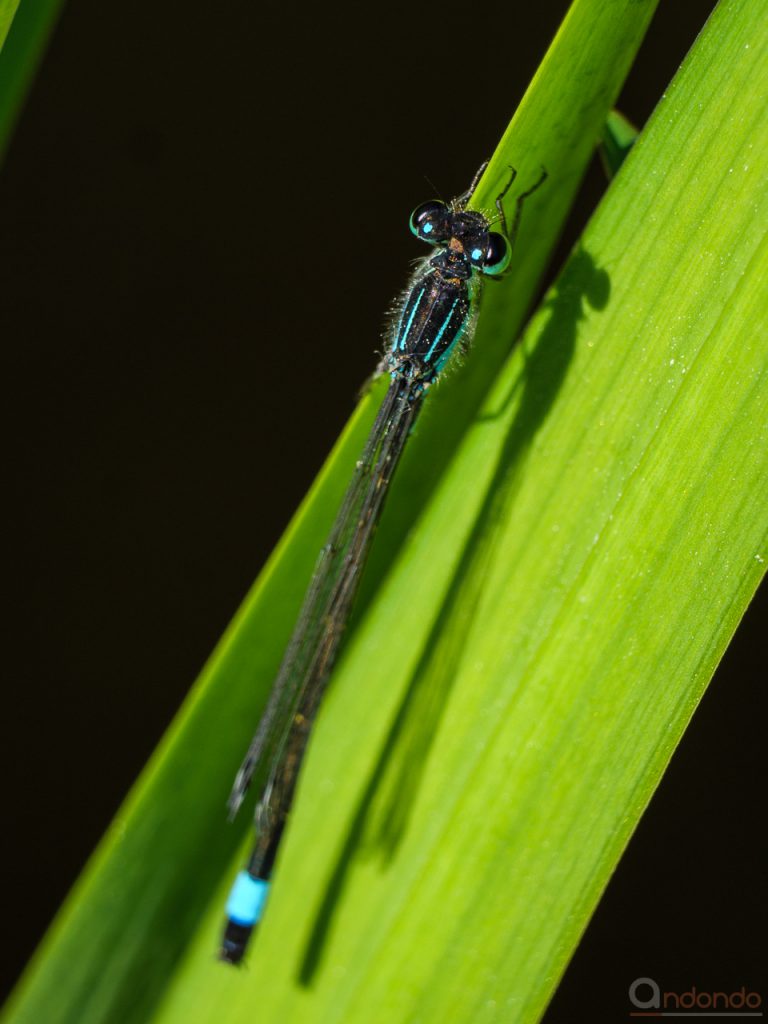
[{"x": 174, "y": 183}]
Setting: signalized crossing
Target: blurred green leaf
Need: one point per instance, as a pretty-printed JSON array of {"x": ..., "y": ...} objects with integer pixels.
[
  {"x": 20, "y": 53},
  {"x": 8, "y": 9}
]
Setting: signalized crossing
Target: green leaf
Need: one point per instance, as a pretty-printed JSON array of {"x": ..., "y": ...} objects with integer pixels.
[
  {"x": 27, "y": 35},
  {"x": 618, "y": 137},
  {"x": 576, "y": 564},
  {"x": 7, "y": 11},
  {"x": 596, "y": 538}
]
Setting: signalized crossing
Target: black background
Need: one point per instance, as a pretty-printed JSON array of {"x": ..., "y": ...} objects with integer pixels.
[{"x": 173, "y": 186}]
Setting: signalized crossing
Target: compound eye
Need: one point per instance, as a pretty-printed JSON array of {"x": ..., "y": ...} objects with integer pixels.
[
  {"x": 429, "y": 222},
  {"x": 497, "y": 254}
]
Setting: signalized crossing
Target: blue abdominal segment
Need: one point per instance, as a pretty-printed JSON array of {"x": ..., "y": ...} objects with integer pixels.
[
  {"x": 244, "y": 909},
  {"x": 246, "y": 899}
]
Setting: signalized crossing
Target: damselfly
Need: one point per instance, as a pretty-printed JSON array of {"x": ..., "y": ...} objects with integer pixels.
[{"x": 435, "y": 318}]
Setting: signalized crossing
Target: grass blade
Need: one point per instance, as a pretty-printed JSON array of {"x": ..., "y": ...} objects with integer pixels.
[
  {"x": 593, "y": 574},
  {"x": 27, "y": 27}
]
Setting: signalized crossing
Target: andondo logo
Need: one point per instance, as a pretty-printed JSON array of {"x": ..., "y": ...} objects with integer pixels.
[{"x": 648, "y": 1000}]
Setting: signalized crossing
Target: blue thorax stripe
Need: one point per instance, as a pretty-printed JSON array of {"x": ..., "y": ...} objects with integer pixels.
[
  {"x": 441, "y": 332},
  {"x": 405, "y": 333}
]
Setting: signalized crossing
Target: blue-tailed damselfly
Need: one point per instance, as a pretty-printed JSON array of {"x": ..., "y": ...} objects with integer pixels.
[{"x": 435, "y": 317}]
